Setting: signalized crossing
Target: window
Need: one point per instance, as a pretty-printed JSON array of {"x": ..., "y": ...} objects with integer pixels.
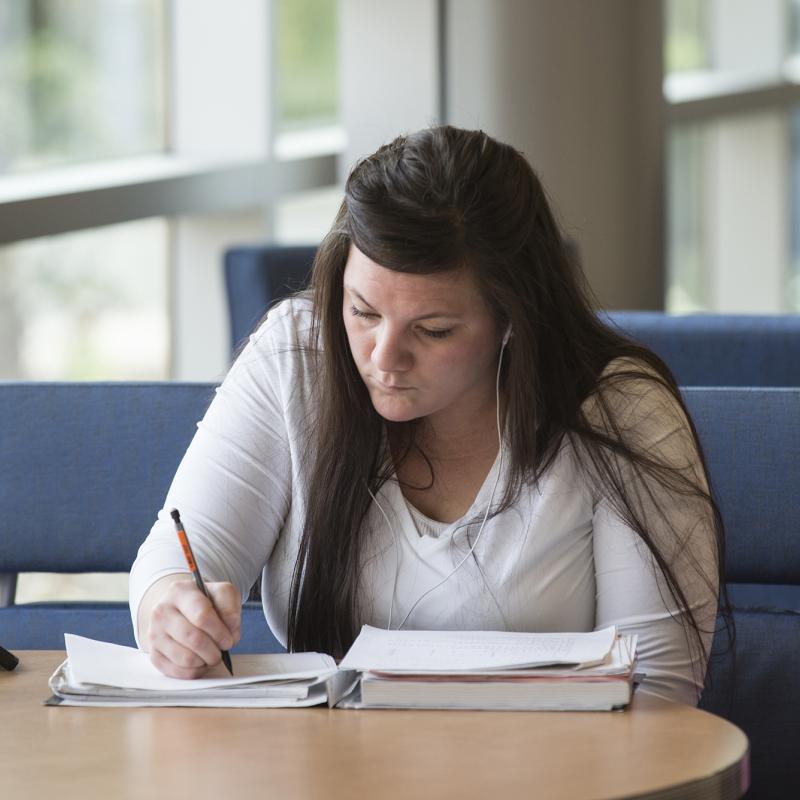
[
  {"x": 732, "y": 87},
  {"x": 90, "y": 305},
  {"x": 94, "y": 146},
  {"x": 307, "y": 68},
  {"x": 130, "y": 160},
  {"x": 80, "y": 80}
]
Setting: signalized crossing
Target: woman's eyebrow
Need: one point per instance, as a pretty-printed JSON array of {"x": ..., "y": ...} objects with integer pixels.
[
  {"x": 432, "y": 315},
  {"x": 358, "y": 296}
]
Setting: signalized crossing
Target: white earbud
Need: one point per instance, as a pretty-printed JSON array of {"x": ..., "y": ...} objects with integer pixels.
[{"x": 506, "y": 336}]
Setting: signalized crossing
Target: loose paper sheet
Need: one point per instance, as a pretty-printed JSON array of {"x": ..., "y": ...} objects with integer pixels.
[
  {"x": 468, "y": 651},
  {"x": 108, "y": 664}
]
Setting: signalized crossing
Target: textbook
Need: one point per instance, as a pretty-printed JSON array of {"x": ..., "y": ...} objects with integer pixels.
[
  {"x": 492, "y": 670},
  {"x": 383, "y": 669}
]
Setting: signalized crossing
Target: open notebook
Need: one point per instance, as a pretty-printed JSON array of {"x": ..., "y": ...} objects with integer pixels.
[
  {"x": 103, "y": 674},
  {"x": 404, "y": 669}
]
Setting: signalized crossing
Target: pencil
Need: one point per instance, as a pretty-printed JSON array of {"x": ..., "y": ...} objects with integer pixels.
[{"x": 198, "y": 578}]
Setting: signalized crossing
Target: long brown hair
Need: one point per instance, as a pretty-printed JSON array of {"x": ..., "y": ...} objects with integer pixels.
[{"x": 444, "y": 199}]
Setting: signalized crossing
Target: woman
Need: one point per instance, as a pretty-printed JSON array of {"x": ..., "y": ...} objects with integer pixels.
[{"x": 441, "y": 434}]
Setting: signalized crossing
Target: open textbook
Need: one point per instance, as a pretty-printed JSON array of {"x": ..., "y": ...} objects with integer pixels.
[{"x": 383, "y": 669}]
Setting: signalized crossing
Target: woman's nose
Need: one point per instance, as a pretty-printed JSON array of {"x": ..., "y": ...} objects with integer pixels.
[{"x": 390, "y": 353}]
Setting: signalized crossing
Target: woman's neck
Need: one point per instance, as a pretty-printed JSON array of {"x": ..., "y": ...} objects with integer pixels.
[
  {"x": 442, "y": 475},
  {"x": 448, "y": 439}
]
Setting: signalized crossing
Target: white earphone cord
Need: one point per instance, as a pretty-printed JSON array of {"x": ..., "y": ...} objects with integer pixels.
[{"x": 480, "y": 530}]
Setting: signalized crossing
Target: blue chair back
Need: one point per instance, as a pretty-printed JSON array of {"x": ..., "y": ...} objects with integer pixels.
[
  {"x": 257, "y": 276},
  {"x": 719, "y": 349},
  {"x": 84, "y": 467},
  {"x": 751, "y": 438}
]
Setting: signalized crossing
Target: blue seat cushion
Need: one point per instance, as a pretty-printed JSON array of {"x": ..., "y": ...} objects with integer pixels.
[
  {"x": 755, "y": 686},
  {"x": 764, "y": 597},
  {"x": 41, "y": 626}
]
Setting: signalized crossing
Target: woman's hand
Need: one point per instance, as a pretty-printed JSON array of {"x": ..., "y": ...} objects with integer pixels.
[{"x": 183, "y": 632}]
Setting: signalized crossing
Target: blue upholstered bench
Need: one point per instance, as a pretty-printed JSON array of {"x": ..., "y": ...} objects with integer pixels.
[
  {"x": 751, "y": 439},
  {"x": 84, "y": 467},
  {"x": 720, "y": 349},
  {"x": 83, "y": 470},
  {"x": 701, "y": 349}
]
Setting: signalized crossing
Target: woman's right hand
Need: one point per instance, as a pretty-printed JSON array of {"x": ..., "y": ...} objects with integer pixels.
[{"x": 181, "y": 629}]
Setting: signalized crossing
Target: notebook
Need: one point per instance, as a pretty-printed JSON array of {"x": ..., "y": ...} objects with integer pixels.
[{"x": 103, "y": 674}]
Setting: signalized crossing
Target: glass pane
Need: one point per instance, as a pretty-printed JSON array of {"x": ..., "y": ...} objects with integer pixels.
[
  {"x": 80, "y": 80},
  {"x": 685, "y": 224},
  {"x": 308, "y": 68},
  {"x": 728, "y": 45},
  {"x": 90, "y": 305},
  {"x": 793, "y": 299},
  {"x": 685, "y": 35},
  {"x": 733, "y": 227},
  {"x": 793, "y": 44}
]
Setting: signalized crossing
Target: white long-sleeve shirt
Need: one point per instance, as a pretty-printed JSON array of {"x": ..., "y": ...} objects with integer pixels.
[{"x": 558, "y": 560}]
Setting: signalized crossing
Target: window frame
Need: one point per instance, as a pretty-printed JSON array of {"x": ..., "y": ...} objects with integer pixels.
[
  {"x": 222, "y": 158},
  {"x": 729, "y": 101}
]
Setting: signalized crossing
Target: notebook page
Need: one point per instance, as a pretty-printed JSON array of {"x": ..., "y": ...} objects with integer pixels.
[
  {"x": 462, "y": 651},
  {"x": 109, "y": 664}
]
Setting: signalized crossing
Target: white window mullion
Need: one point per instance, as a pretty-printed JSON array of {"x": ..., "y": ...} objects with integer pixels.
[
  {"x": 748, "y": 238},
  {"x": 221, "y": 109},
  {"x": 390, "y": 71},
  {"x": 748, "y": 166}
]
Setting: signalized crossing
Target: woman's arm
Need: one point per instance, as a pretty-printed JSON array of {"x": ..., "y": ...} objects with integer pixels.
[
  {"x": 233, "y": 490},
  {"x": 632, "y": 591},
  {"x": 633, "y": 595}
]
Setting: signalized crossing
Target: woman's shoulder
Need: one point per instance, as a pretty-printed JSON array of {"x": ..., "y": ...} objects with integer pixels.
[
  {"x": 632, "y": 393},
  {"x": 287, "y": 322},
  {"x": 281, "y": 345}
]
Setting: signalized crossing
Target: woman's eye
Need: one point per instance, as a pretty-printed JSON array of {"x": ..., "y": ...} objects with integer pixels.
[
  {"x": 357, "y": 312},
  {"x": 436, "y": 334},
  {"x": 433, "y": 334}
]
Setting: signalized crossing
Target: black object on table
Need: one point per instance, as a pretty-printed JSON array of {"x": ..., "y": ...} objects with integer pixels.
[{"x": 7, "y": 660}]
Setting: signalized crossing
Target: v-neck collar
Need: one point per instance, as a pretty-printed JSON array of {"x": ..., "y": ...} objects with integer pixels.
[{"x": 475, "y": 513}]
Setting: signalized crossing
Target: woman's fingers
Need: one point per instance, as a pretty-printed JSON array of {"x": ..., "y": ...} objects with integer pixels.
[
  {"x": 173, "y": 659},
  {"x": 228, "y": 604},
  {"x": 195, "y": 640},
  {"x": 201, "y": 615},
  {"x": 187, "y": 632}
]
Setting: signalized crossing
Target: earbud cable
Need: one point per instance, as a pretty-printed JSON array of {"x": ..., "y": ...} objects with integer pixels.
[{"x": 480, "y": 530}]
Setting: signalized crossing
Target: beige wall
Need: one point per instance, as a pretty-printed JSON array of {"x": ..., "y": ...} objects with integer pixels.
[{"x": 576, "y": 85}]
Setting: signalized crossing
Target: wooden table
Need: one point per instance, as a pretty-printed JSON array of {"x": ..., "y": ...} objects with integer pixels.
[{"x": 655, "y": 749}]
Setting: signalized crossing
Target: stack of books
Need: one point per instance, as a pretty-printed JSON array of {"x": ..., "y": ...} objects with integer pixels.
[
  {"x": 492, "y": 670},
  {"x": 383, "y": 669}
]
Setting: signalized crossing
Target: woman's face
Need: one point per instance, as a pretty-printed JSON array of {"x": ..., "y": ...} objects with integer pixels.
[{"x": 425, "y": 345}]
